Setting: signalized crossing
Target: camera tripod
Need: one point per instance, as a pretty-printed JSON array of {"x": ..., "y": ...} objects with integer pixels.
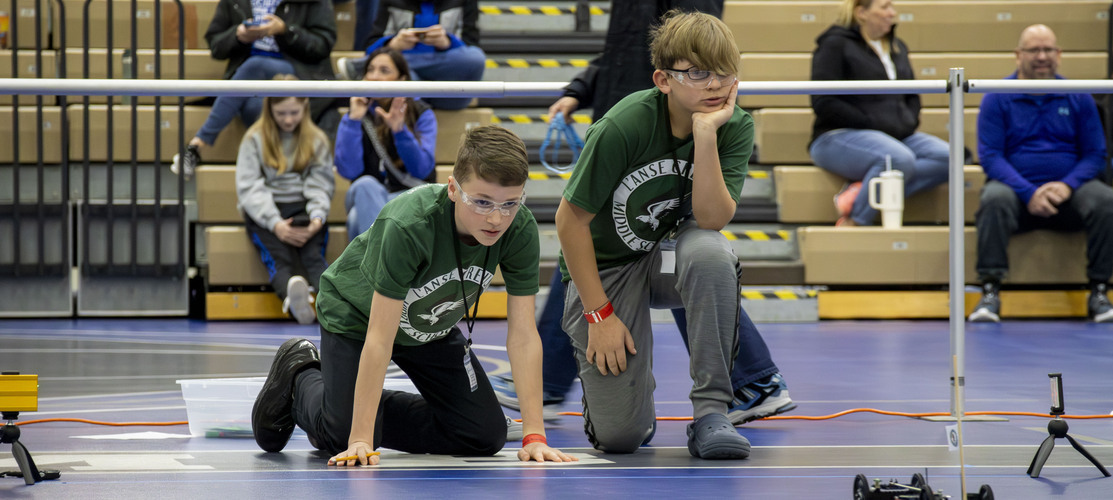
[
  {"x": 1056, "y": 429},
  {"x": 9, "y": 434}
]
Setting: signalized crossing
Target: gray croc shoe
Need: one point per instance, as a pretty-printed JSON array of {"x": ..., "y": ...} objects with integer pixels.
[{"x": 712, "y": 437}]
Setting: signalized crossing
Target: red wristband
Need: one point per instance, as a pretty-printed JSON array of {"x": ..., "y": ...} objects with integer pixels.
[
  {"x": 599, "y": 314},
  {"x": 533, "y": 438}
]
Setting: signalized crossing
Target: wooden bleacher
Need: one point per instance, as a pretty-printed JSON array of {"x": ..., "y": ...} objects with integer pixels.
[
  {"x": 871, "y": 272},
  {"x": 776, "y": 39}
]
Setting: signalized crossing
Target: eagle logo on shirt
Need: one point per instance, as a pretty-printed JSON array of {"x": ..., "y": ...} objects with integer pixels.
[
  {"x": 430, "y": 310},
  {"x": 440, "y": 309},
  {"x": 646, "y": 197},
  {"x": 656, "y": 211}
]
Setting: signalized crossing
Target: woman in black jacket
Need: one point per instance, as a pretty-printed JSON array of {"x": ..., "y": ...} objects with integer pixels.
[
  {"x": 853, "y": 134},
  {"x": 261, "y": 39}
]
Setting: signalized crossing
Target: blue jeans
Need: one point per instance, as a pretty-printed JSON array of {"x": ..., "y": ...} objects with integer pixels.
[
  {"x": 247, "y": 108},
  {"x": 365, "y": 19},
  {"x": 859, "y": 155},
  {"x": 461, "y": 64},
  {"x": 365, "y": 199},
  {"x": 752, "y": 362}
]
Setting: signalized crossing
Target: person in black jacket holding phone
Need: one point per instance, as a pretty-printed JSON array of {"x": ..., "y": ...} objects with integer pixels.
[
  {"x": 262, "y": 39},
  {"x": 853, "y": 134}
]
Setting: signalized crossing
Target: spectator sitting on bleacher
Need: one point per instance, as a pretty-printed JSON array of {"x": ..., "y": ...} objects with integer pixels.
[
  {"x": 384, "y": 145},
  {"x": 439, "y": 39},
  {"x": 759, "y": 389},
  {"x": 1042, "y": 155},
  {"x": 261, "y": 39},
  {"x": 853, "y": 134},
  {"x": 284, "y": 184}
]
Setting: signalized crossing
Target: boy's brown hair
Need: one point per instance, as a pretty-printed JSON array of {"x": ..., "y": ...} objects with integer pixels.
[
  {"x": 701, "y": 39},
  {"x": 493, "y": 154}
]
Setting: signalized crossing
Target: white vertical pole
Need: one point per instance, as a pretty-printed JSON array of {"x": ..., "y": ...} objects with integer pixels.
[{"x": 955, "y": 190}]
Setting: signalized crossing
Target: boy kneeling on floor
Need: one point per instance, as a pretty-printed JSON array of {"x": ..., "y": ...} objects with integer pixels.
[{"x": 396, "y": 294}]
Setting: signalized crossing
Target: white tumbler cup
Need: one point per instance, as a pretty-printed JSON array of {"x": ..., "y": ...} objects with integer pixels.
[{"x": 886, "y": 193}]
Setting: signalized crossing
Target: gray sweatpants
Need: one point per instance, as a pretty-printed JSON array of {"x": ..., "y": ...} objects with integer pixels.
[{"x": 618, "y": 410}]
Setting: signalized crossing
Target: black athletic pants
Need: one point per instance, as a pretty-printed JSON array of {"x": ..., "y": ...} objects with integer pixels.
[{"x": 448, "y": 418}]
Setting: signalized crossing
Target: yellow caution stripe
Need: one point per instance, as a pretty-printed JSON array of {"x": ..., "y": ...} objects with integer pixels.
[
  {"x": 779, "y": 294},
  {"x": 520, "y": 63},
  {"x": 524, "y": 119},
  {"x": 757, "y": 235},
  {"x": 544, "y": 10},
  {"x": 545, "y": 176}
]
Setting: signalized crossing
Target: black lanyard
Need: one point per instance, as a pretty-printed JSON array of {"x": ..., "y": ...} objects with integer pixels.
[
  {"x": 682, "y": 186},
  {"x": 469, "y": 320}
]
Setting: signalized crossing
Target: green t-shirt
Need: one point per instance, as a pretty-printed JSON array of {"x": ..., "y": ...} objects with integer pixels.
[
  {"x": 408, "y": 254},
  {"x": 629, "y": 175}
]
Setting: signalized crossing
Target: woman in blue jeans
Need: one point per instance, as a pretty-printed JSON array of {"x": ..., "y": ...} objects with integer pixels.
[
  {"x": 262, "y": 39},
  {"x": 854, "y": 134},
  {"x": 440, "y": 40},
  {"x": 384, "y": 145}
]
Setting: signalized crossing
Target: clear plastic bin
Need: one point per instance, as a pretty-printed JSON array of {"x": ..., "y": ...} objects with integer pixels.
[{"x": 220, "y": 407}]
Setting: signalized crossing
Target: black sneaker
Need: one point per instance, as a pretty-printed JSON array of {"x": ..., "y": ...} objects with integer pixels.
[
  {"x": 187, "y": 164},
  {"x": 988, "y": 309},
  {"x": 272, "y": 420},
  {"x": 1098, "y": 307}
]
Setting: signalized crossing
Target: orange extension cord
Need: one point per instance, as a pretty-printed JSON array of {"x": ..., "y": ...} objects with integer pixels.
[{"x": 577, "y": 414}]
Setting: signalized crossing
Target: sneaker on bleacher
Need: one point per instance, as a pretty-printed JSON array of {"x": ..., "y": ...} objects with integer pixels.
[
  {"x": 988, "y": 309},
  {"x": 347, "y": 69},
  {"x": 1098, "y": 307},
  {"x": 299, "y": 303},
  {"x": 189, "y": 165},
  {"x": 844, "y": 200}
]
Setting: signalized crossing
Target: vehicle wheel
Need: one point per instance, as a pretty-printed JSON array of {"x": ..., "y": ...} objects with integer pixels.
[
  {"x": 926, "y": 493},
  {"x": 918, "y": 481},
  {"x": 861, "y": 487},
  {"x": 985, "y": 493}
]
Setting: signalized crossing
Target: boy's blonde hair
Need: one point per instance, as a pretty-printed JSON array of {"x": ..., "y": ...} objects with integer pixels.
[
  {"x": 306, "y": 136},
  {"x": 493, "y": 154},
  {"x": 701, "y": 39}
]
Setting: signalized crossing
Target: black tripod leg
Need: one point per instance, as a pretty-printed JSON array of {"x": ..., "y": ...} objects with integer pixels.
[
  {"x": 26, "y": 463},
  {"x": 1041, "y": 456},
  {"x": 1088, "y": 456}
]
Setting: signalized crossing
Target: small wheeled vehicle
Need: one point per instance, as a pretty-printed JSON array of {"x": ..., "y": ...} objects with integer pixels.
[{"x": 917, "y": 489}]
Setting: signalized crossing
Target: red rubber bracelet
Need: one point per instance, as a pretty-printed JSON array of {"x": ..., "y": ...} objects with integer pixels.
[
  {"x": 533, "y": 438},
  {"x": 599, "y": 314}
]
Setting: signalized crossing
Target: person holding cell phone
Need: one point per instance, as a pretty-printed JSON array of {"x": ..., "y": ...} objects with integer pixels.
[
  {"x": 261, "y": 39},
  {"x": 438, "y": 38},
  {"x": 284, "y": 185},
  {"x": 384, "y": 145}
]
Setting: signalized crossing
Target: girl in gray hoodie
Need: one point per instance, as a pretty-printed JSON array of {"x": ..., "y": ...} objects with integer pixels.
[{"x": 284, "y": 183}]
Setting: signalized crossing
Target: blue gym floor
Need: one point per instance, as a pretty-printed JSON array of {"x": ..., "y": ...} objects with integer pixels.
[{"x": 125, "y": 371}]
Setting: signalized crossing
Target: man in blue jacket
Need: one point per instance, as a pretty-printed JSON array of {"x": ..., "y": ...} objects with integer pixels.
[{"x": 1042, "y": 155}]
